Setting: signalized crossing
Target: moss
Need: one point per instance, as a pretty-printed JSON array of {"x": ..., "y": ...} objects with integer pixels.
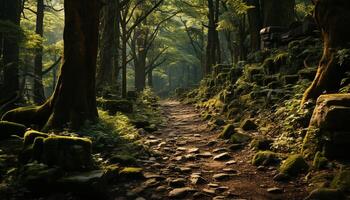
[
  {"x": 131, "y": 173},
  {"x": 341, "y": 180},
  {"x": 123, "y": 159},
  {"x": 114, "y": 106},
  {"x": 10, "y": 128},
  {"x": 311, "y": 143},
  {"x": 294, "y": 165},
  {"x": 319, "y": 162},
  {"x": 260, "y": 143},
  {"x": 70, "y": 153},
  {"x": 239, "y": 138},
  {"x": 228, "y": 131},
  {"x": 30, "y": 136},
  {"x": 265, "y": 158},
  {"x": 326, "y": 194}
]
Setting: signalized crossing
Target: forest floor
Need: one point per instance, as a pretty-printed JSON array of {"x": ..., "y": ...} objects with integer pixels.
[{"x": 192, "y": 163}]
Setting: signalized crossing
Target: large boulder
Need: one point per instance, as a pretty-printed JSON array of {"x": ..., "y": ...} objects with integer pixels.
[
  {"x": 294, "y": 165},
  {"x": 68, "y": 153},
  {"x": 10, "y": 128},
  {"x": 329, "y": 129}
]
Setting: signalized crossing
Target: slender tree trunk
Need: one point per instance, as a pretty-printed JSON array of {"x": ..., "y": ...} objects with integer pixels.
[
  {"x": 10, "y": 11},
  {"x": 38, "y": 89},
  {"x": 211, "y": 46},
  {"x": 106, "y": 70},
  {"x": 333, "y": 18},
  {"x": 74, "y": 100},
  {"x": 117, "y": 41},
  {"x": 255, "y": 25},
  {"x": 124, "y": 62}
]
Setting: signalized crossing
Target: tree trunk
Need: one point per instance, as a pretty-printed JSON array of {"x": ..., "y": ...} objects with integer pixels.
[
  {"x": 255, "y": 25},
  {"x": 276, "y": 13},
  {"x": 38, "y": 88},
  {"x": 106, "y": 70},
  {"x": 10, "y": 11},
  {"x": 124, "y": 59},
  {"x": 74, "y": 101},
  {"x": 333, "y": 18},
  {"x": 211, "y": 48},
  {"x": 150, "y": 78}
]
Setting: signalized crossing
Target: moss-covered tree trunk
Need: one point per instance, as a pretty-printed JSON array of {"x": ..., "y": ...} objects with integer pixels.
[
  {"x": 38, "y": 89},
  {"x": 73, "y": 101},
  {"x": 333, "y": 18}
]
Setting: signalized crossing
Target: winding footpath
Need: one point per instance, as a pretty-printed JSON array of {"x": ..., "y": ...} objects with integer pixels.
[{"x": 190, "y": 162}]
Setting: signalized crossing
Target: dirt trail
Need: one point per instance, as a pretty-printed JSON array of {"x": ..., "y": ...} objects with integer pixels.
[{"x": 184, "y": 166}]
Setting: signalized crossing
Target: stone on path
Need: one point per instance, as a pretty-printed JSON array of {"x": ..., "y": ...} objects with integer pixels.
[
  {"x": 221, "y": 176},
  {"x": 222, "y": 156},
  {"x": 275, "y": 190},
  {"x": 177, "y": 183},
  {"x": 205, "y": 155},
  {"x": 180, "y": 192}
]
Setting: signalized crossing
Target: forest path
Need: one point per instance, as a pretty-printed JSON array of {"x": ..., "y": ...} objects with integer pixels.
[{"x": 190, "y": 162}]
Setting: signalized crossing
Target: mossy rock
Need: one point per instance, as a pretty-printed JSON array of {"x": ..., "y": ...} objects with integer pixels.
[
  {"x": 326, "y": 194},
  {"x": 265, "y": 158},
  {"x": 10, "y": 128},
  {"x": 341, "y": 180},
  {"x": 132, "y": 173},
  {"x": 240, "y": 138},
  {"x": 114, "y": 106},
  {"x": 320, "y": 162},
  {"x": 123, "y": 159},
  {"x": 248, "y": 125},
  {"x": 219, "y": 122},
  {"x": 294, "y": 165},
  {"x": 260, "y": 143},
  {"x": 228, "y": 131}
]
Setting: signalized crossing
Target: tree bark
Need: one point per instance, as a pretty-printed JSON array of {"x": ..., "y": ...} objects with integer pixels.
[
  {"x": 276, "y": 13},
  {"x": 212, "y": 39},
  {"x": 73, "y": 101},
  {"x": 38, "y": 88},
  {"x": 255, "y": 25},
  {"x": 333, "y": 18},
  {"x": 106, "y": 75},
  {"x": 10, "y": 11},
  {"x": 150, "y": 78}
]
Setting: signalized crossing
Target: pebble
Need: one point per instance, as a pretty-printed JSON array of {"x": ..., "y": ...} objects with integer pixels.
[
  {"x": 177, "y": 183},
  {"x": 275, "y": 190},
  {"x": 193, "y": 150},
  {"x": 180, "y": 192},
  {"x": 222, "y": 156},
  {"x": 231, "y": 162},
  {"x": 205, "y": 155},
  {"x": 221, "y": 176}
]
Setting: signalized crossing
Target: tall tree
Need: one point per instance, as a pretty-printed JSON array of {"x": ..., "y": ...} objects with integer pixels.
[
  {"x": 10, "y": 12},
  {"x": 213, "y": 49},
  {"x": 255, "y": 23},
  {"x": 38, "y": 90},
  {"x": 73, "y": 101},
  {"x": 333, "y": 18},
  {"x": 276, "y": 13},
  {"x": 106, "y": 71}
]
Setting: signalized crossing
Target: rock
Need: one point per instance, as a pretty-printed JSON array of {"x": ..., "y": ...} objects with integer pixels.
[
  {"x": 151, "y": 183},
  {"x": 205, "y": 155},
  {"x": 294, "y": 165},
  {"x": 275, "y": 190},
  {"x": 220, "y": 150},
  {"x": 235, "y": 147},
  {"x": 213, "y": 185},
  {"x": 219, "y": 122},
  {"x": 222, "y": 156},
  {"x": 131, "y": 173},
  {"x": 180, "y": 193},
  {"x": 231, "y": 162},
  {"x": 341, "y": 180},
  {"x": 123, "y": 159},
  {"x": 69, "y": 153},
  {"x": 248, "y": 125},
  {"x": 185, "y": 169},
  {"x": 219, "y": 198},
  {"x": 281, "y": 177},
  {"x": 326, "y": 194},
  {"x": 198, "y": 180},
  {"x": 177, "y": 183},
  {"x": 228, "y": 131},
  {"x": 10, "y": 128},
  {"x": 329, "y": 128},
  {"x": 193, "y": 150},
  {"x": 149, "y": 175},
  {"x": 209, "y": 191},
  {"x": 114, "y": 106},
  {"x": 240, "y": 138},
  {"x": 260, "y": 143},
  {"x": 211, "y": 143},
  {"x": 221, "y": 176},
  {"x": 265, "y": 158},
  {"x": 230, "y": 170}
]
